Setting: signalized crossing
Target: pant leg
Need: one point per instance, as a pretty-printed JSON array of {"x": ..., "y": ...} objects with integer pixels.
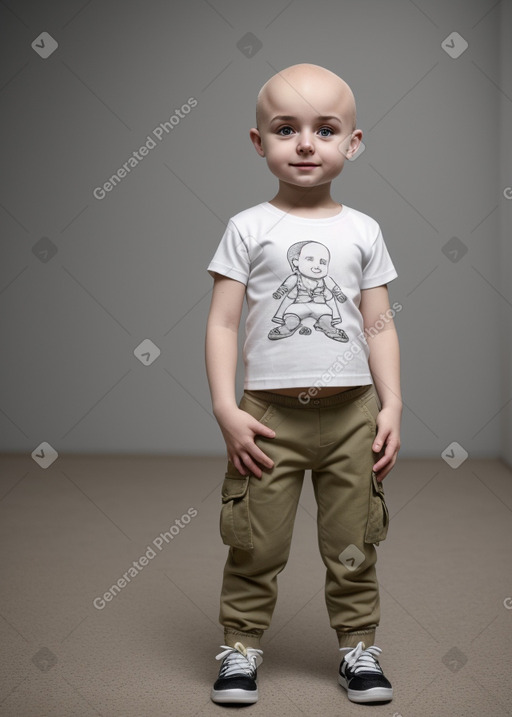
[
  {"x": 249, "y": 588},
  {"x": 351, "y": 517}
]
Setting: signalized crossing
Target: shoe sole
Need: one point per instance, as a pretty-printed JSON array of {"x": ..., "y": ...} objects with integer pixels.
[
  {"x": 234, "y": 696},
  {"x": 375, "y": 694}
]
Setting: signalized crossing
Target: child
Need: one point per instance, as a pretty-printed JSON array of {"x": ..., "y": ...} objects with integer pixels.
[{"x": 309, "y": 396}]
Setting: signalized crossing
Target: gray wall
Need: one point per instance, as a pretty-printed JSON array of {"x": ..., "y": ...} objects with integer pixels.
[
  {"x": 505, "y": 252},
  {"x": 83, "y": 281}
]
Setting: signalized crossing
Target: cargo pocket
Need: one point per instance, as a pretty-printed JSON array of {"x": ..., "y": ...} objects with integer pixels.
[
  {"x": 378, "y": 515},
  {"x": 235, "y": 522}
]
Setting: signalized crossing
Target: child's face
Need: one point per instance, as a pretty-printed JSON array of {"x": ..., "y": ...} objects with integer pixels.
[
  {"x": 306, "y": 128},
  {"x": 313, "y": 260}
]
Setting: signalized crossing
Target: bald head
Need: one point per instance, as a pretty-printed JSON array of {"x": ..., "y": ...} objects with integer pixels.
[{"x": 309, "y": 86}]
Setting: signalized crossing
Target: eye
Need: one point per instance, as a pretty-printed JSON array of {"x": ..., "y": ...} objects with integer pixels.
[
  {"x": 285, "y": 131},
  {"x": 325, "y": 132},
  {"x": 322, "y": 261}
]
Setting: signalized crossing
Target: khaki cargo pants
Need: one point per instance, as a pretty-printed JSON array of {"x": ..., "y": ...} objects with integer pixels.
[{"x": 332, "y": 436}]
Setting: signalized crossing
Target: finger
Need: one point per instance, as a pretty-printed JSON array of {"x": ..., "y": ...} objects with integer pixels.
[
  {"x": 380, "y": 440},
  {"x": 262, "y": 430},
  {"x": 252, "y": 467},
  {"x": 250, "y": 451},
  {"x": 384, "y": 460},
  {"x": 258, "y": 455},
  {"x": 256, "y": 458},
  {"x": 238, "y": 465},
  {"x": 387, "y": 461},
  {"x": 382, "y": 463},
  {"x": 383, "y": 473}
]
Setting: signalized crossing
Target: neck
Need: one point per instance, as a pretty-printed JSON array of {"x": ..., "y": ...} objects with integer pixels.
[{"x": 290, "y": 197}]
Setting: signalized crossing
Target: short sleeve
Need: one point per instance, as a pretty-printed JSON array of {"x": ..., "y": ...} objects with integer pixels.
[
  {"x": 379, "y": 268},
  {"x": 232, "y": 257}
]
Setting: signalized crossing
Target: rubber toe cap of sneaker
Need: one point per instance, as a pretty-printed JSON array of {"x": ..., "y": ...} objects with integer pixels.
[{"x": 237, "y": 682}]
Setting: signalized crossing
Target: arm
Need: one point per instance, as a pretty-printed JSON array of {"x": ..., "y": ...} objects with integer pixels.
[
  {"x": 285, "y": 287},
  {"x": 238, "y": 427},
  {"x": 385, "y": 368},
  {"x": 333, "y": 286}
]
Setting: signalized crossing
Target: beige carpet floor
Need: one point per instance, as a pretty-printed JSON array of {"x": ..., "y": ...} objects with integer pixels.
[{"x": 72, "y": 646}]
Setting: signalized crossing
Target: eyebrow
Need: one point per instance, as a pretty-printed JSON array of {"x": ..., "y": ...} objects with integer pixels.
[{"x": 291, "y": 118}]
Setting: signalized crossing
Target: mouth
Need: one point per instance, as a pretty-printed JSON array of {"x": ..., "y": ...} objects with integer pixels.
[{"x": 305, "y": 164}]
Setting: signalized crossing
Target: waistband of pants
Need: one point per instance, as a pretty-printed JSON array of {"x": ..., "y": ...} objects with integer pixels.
[{"x": 308, "y": 400}]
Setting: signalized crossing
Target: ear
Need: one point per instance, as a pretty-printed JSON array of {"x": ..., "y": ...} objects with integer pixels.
[
  {"x": 355, "y": 141},
  {"x": 257, "y": 142}
]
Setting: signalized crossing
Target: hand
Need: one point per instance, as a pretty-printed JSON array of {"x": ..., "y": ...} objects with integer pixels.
[
  {"x": 387, "y": 438},
  {"x": 239, "y": 429}
]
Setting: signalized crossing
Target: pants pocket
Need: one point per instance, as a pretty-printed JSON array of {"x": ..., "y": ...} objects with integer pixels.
[
  {"x": 371, "y": 406},
  {"x": 255, "y": 407},
  {"x": 378, "y": 515},
  {"x": 235, "y": 521}
]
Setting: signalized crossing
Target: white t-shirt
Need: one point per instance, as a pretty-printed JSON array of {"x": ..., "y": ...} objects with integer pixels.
[{"x": 303, "y": 281}]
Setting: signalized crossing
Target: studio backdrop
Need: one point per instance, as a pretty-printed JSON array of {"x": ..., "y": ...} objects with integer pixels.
[{"x": 125, "y": 150}]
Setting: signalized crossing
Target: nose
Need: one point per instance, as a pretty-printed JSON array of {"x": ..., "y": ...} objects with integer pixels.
[{"x": 305, "y": 144}]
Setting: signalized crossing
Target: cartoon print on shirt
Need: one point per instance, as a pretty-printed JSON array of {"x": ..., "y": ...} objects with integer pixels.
[{"x": 308, "y": 292}]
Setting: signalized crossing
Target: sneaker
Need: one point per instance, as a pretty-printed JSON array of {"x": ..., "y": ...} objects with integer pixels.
[
  {"x": 361, "y": 675},
  {"x": 237, "y": 675}
]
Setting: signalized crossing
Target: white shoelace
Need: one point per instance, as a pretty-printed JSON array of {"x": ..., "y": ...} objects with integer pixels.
[
  {"x": 239, "y": 659},
  {"x": 361, "y": 660}
]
